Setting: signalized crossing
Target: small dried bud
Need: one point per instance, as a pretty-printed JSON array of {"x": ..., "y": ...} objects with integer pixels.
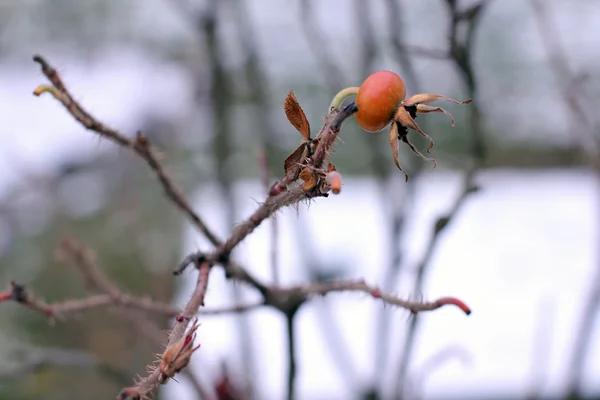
[
  {"x": 177, "y": 356},
  {"x": 309, "y": 179},
  {"x": 334, "y": 180}
]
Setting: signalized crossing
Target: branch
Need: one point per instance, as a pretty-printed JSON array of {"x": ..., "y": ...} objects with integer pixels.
[
  {"x": 326, "y": 138},
  {"x": 110, "y": 295},
  {"x": 140, "y": 146},
  {"x": 569, "y": 87},
  {"x": 61, "y": 310},
  {"x": 414, "y": 307},
  {"x": 32, "y": 361},
  {"x": 291, "y": 380},
  {"x": 179, "y": 348}
]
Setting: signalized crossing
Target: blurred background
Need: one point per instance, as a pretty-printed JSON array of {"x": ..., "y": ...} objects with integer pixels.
[{"x": 508, "y": 221}]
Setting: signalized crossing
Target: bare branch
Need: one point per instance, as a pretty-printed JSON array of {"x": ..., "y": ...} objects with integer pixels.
[
  {"x": 291, "y": 338},
  {"x": 414, "y": 307},
  {"x": 140, "y": 146},
  {"x": 32, "y": 361},
  {"x": 110, "y": 295},
  {"x": 569, "y": 87}
]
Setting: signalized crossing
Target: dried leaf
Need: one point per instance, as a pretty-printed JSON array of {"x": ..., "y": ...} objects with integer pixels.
[
  {"x": 330, "y": 167},
  {"x": 295, "y": 158},
  {"x": 310, "y": 181},
  {"x": 403, "y": 117},
  {"x": 394, "y": 144},
  {"x": 424, "y": 108},
  {"x": 296, "y": 115},
  {"x": 428, "y": 98}
]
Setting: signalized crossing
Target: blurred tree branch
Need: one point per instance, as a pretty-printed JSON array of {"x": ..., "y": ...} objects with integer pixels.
[
  {"x": 583, "y": 125},
  {"x": 461, "y": 53},
  {"x": 32, "y": 361}
]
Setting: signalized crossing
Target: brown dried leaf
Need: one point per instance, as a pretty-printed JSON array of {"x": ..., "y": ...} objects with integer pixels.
[
  {"x": 428, "y": 98},
  {"x": 403, "y": 117},
  {"x": 290, "y": 165},
  {"x": 394, "y": 144},
  {"x": 310, "y": 181},
  {"x": 424, "y": 108},
  {"x": 296, "y": 115},
  {"x": 330, "y": 167}
]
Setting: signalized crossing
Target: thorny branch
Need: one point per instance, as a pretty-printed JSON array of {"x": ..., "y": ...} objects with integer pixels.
[
  {"x": 109, "y": 294},
  {"x": 360, "y": 286},
  {"x": 141, "y": 146},
  {"x": 180, "y": 345}
]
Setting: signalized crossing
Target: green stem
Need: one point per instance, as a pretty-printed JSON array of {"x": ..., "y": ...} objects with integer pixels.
[{"x": 339, "y": 98}]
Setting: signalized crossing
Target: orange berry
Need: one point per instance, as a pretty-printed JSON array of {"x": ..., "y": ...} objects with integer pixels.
[{"x": 378, "y": 99}]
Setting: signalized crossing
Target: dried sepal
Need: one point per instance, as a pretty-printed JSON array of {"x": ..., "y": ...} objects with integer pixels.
[
  {"x": 292, "y": 162},
  {"x": 394, "y": 143},
  {"x": 424, "y": 108},
  {"x": 177, "y": 356},
  {"x": 296, "y": 115},
  {"x": 310, "y": 181},
  {"x": 423, "y": 98},
  {"x": 404, "y": 118},
  {"x": 404, "y": 139}
]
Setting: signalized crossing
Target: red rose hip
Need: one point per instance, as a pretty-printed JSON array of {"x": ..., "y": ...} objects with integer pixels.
[{"x": 378, "y": 99}]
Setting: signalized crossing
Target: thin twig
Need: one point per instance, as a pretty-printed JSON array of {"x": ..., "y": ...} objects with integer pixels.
[
  {"x": 110, "y": 295},
  {"x": 33, "y": 361},
  {"x": 222, "y": 95},
  {"x": 140, "y": 146},
  {"x": 63, "y": 309},
  {"x": 321, "y": 289},
  {"x": 570, "y": 89},
  {"x": 291, "y": 339},
  {"x": 264, "y": 167},
  {"x": 317, "y": 43}
]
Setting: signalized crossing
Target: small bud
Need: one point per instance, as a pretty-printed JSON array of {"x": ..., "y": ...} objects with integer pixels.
[
  {"x": 177, "y": 356},
  {"x": 334, "y": 179}
]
